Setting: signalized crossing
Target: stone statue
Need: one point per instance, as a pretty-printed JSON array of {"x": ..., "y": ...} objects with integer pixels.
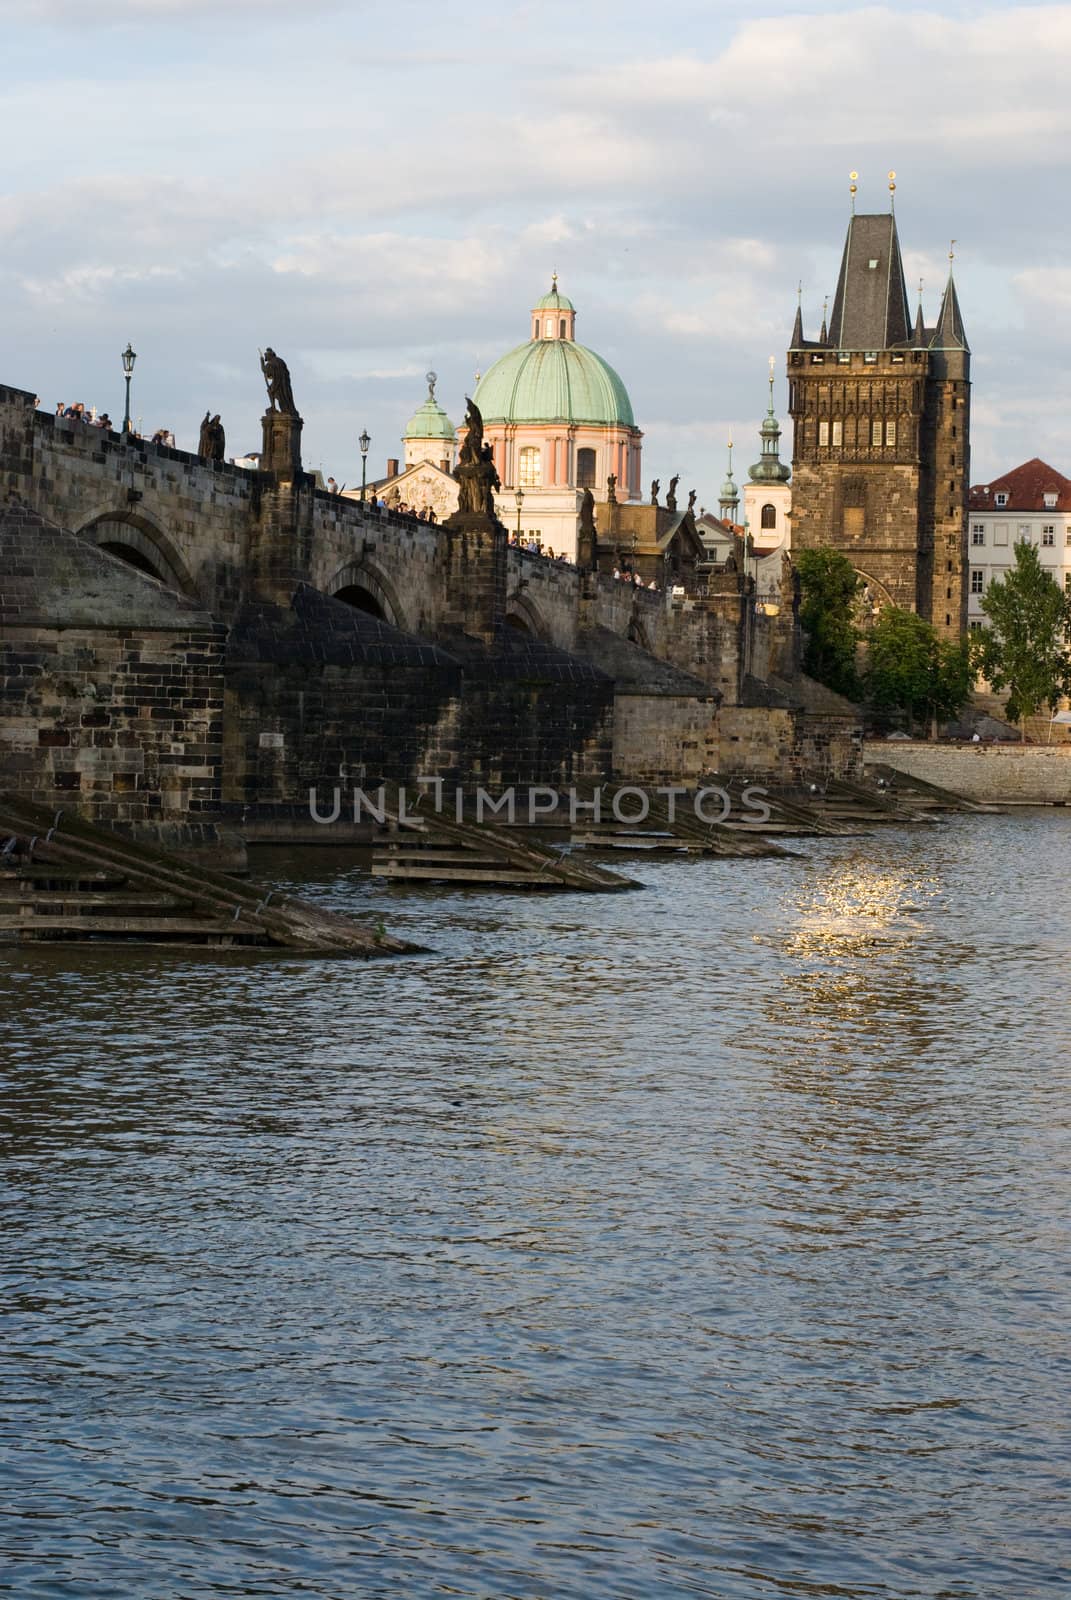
[
  {"x": 587, "y": 541},
  {"x": 204, "y": 442},
  {"x": 217, "y": 440},
  {"x": 671, "y": 493},
  {"x": 654, "y": 491},
  {"x": 476, "y": 474},
  {"x": 277, "y": 377},
  {"x": 611, "y": 489},
  {"x": 691, "y": 500}
]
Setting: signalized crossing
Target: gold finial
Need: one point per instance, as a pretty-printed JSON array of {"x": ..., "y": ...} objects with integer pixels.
[
  {"x": 892, "y": 191},
  {"x": 773, "y": 363},
  {"x": 554, "y": 283},
  {"x": 854, "y": 178},
  {"x": 952, "y": 250}
]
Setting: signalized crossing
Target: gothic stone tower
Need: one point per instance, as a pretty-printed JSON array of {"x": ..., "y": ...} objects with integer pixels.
[{"x": 881, "y": 414}]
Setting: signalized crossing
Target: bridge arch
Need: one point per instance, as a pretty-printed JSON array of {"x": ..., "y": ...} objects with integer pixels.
[
  {"x": 523, "y": 617},
  {"x": 364, "y": 585},
  {"x": 140, "y": 543}
]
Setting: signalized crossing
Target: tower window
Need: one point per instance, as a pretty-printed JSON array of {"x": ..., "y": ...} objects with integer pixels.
[
  {"x": 561, "y": 329},
  {"x": 823, "y": 432},
  {"x": 585, "y": 469},
  {"x": 890, "y": 431},
  {"x": 548, "y": 327},
  {"x": 838, "y": 431},
  {"x": 530, "y": 467},
  {"x": 768, "y": 516},
  {"x": 870, "y": 357},
  {"x": 875, "y": 431}
]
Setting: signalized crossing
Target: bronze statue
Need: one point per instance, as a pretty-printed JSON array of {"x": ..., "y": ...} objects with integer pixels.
[
  {"x": 489, "y": 478},
  {"x": 671, "y": 493},
  {"x": 611, "y": 488},
  {"x": 654, "y": 491},
  {"x": 204, "y": 441},
  {"x": 277, "y": 377}
]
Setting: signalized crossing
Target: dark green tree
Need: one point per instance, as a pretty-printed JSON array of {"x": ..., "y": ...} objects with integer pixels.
[
  {"x": 1025, "y": 647},
  {"x": 828, "y": 587},
  {"x": 910, "y": 668}
]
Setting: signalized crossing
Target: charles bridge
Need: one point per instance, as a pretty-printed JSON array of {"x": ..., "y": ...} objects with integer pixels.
[{"x": 186, "y": 638}]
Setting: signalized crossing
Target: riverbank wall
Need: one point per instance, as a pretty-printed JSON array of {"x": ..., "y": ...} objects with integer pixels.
[{"x": 997, "y": 774}]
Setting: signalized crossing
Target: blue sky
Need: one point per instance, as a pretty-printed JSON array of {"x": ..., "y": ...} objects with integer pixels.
[{"x": 375, "y": 189}]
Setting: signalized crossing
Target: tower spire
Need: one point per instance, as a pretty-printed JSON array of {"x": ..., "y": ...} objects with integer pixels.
[{"x": 729, "y": 495}]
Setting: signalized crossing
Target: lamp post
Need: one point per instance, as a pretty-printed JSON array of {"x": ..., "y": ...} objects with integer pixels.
[
  {"x": 129, "y": 357},
  {"x": 519, "y": 497},
  {"x": 364, "y": 441}
]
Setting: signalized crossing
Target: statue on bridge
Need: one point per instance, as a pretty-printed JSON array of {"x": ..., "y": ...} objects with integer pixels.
[
  {"x": 611, "y": 489},
  {"x": 277, "y": 377},
  {"x": 212, "y": 444},
  {"x": 691, "y": 501},
  {"x": 587, "y": 539},
  {"x": 654, "y": 491},
  {"x": 671, "y": 493},
  {"x": 476, "y": 473}
]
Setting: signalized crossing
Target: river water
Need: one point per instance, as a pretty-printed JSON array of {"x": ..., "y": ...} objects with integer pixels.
[{"x": 709, "y": 1241}]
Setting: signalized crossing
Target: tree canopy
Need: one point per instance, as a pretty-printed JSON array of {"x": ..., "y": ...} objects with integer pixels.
[
  {"x": 1025, "y": 648},
  {"x": 910, "y": 668},
  {"x": 828, "y": 587}
]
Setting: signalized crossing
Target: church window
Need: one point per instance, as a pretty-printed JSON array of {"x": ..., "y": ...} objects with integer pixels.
[
  {"x": 531, "y": 467},
  {"x": 585, "y": 469},
  {"x": 838, "y": 431},
  {"x": 977, "y": 581},
  {"x": 890, "y": 431},
  {"x": 1048, "y": 533},
  {"x": 875, "y": 431},
  {"x": 548, "y": 328},
  {"x": 823, "y": 432},
  {"x": 768, "y": 516},
  {"x": 561, "y": 329}
]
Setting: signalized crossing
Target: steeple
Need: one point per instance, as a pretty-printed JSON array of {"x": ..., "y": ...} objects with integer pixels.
[
  {"x": 729, "y": 495},
  {"x": 918, "y": 338},
  {"x": 770, "y": 468},
  {"x": 949, "y": 333},
  {"x": 870, "y": 310},
  {"x": 796, "y": 342}
]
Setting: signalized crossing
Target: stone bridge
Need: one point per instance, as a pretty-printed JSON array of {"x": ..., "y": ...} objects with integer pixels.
[{"x": 358, "y": 642}]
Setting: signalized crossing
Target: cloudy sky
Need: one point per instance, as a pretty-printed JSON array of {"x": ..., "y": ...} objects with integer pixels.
[{"x": 375, "y": 188}]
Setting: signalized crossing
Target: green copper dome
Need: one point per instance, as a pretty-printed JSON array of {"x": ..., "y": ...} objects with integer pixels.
[
  {"x": 553, "y": 380},
  {"x": 430, "y": 421},
  {"x": 554, "y": 301}
]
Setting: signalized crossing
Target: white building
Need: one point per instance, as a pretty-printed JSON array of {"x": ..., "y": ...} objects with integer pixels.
[{"x": 1031, "y": 503}]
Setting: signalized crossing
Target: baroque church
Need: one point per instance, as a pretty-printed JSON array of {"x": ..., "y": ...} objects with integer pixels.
[{"x": 881, "y": 446}]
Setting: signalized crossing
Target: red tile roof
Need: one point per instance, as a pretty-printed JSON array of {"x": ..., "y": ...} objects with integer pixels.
[{"x": 1026, "y": 488}]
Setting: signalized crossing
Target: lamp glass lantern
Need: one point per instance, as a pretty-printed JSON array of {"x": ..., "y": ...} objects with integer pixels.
[
  {"x": 364, "y": 441},
  {"x": 519, "y": 497},
  {"x": 129, "y": 356}
]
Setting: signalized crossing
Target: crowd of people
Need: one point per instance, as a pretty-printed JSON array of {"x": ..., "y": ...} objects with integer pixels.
[
  {"x": 78, "y": 412},
  {"x": 534, "y": 547},
  {"x": 627, "y": 575}
]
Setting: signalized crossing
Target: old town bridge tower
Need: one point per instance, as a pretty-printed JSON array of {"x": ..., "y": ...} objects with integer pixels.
[{"x": 881, "y": 415}]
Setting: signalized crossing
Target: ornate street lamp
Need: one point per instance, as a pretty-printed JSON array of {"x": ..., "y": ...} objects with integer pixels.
[
  {"x": 519, "y": 497},
  {"x": 364, "y": 441},
  {"x": 129, "y": 358}
]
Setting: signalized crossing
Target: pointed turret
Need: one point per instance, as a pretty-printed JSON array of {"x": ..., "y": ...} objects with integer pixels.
[
  {"x": 949, "y": 333},
  {"x": 870, "y": 310},
  {"x": 918, "y": 338},
  {"x": 796, "y": 342}
]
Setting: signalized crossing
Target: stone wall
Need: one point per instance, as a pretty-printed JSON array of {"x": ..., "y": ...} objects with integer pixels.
[
  {"x": 124, "y": 725},
  {"x": 1003, "y": 774}
]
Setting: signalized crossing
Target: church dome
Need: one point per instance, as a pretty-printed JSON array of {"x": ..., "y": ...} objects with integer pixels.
[
  {"x": 430, "y": 420},
  {"x": 553, "y": 380}
]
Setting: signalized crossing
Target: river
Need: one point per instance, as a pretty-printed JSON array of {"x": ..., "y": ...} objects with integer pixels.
[{"x": 709, "y": 1241}]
